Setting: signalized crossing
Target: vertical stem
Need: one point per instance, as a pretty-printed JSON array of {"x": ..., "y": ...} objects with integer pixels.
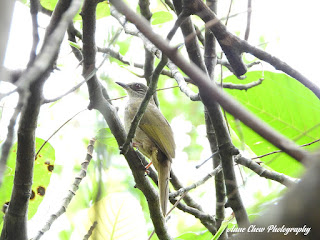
[{"x": 210, "y": 59}]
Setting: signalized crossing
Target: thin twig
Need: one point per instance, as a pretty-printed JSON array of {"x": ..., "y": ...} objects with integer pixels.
[
  {"x": 243, "y": 86},
  {"x": 206, "y": 160},
  {"x": 176, "y": 74},
  {"x": 171, "y": 209},
  {"x": 278, "y": 151},
  {"x": 49, "y": 50},
  {"x": 263, "y": 172},
  {"x": 9, "y": 139},
  {"x": 89, "y": 75},
  {"x": 184, "y": 190},
  {"x": 249, "y": 9},
  {"x": 57, "y": 131},
  {"x": 229, "y": 12},
  {"x": 90, "y": 231},
  {"x": 71, "y": 193}
]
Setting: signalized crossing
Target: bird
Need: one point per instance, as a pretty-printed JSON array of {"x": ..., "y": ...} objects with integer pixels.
[{"x": 154, "y": 137}]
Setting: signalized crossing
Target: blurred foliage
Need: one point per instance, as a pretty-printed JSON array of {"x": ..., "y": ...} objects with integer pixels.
[
  {"x": 284, "y": 104},
  {"x": 161, "y": 17},
  {"x": 43, "y": 168},
  {"x": 119, "y": 216}
]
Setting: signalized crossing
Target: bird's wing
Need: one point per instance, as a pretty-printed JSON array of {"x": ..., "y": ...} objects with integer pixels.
[{"x": 157, "y": 128}]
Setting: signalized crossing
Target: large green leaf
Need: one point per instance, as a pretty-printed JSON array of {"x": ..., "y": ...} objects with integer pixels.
[
  {"x": 43, "y": 168},
  {"x": 118, "y": 216},
  {"x": 284, "y": 104}
]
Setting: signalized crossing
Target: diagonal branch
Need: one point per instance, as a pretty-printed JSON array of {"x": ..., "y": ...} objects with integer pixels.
[
  {"x": 100, "y": 103},
  {"x": 181, "y": 191},
  {"x": 192, "y": 206},
  {"x": 210, "y": 93},
  {"x": 6, "y": 146},
  {"x": 131, "y": 29},
  {"x": 234, "y": 47},
  {"x": 262, "y": 172}
]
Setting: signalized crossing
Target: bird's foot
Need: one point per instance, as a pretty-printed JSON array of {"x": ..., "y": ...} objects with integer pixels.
[
  {"x": 147, "y": 167},
  {"x": 136, "y": 145}
]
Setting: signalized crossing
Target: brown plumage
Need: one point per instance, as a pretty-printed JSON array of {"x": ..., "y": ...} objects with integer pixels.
[{"x": 154, "y": 137}]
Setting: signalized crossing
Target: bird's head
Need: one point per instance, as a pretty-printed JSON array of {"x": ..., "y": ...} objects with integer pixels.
[{"x": 134, "y": 89}]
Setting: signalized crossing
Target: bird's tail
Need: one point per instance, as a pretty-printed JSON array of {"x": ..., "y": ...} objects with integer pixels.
[{"x": 163, "y": 182}]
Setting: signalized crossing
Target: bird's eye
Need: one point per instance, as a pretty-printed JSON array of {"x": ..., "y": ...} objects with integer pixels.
[{"x": 137, "y": 86}]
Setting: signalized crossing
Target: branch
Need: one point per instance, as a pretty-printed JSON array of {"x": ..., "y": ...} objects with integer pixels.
[
  {"x": 10, "y": 76},
  {"x": 131, "y": 29},
  {"x": 34, "y": 5},
  {"x": 262, "y": 172},
  {"x": 210, "y": 58},
  {"x": 206, "y": 219},
  {"x": 90, "y": 231},
  {"x": 87, "y": 78},
  {"x": 149, "y": 57},
  {"x": 228, "y": 66},
  {"x": 242, "y": 86},
  {"x": 249, "y": 11},
  {"x": 54, "y": 133},
  {"x": 218, "y": 132},
  {"x": 89, "y": 75},
  {"x": 50, "y": 48},
  {"x": 210, "y": 93},
  {"x": 233, "y": 46},
  {"x": 72, "y": 34},
  {"x": 30, "y": 86},
  {"x": 71, "y": 193},
  {"x": 143, "y": 106},
  {"x": 199, "y": 35},
  {"x": 196, "y": 184},
  {"x": 6, "y": 11},
  {"x": 278, "y": 151},
  {"x": 6, "y": 146},
  {"x": 192, "y": 207},
  {"x": 98, "y": 102},
  {"x": 296, "y": 210},
  {"x": 118, "y": 56},
  {"x": 170, "y": 5}
]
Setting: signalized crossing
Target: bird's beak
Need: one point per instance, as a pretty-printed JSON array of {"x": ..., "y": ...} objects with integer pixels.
[{"x": 125, "y": 86}]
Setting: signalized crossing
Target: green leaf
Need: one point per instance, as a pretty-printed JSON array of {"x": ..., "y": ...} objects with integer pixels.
[
  {"x": 73, "y": 44},
  {"x": 105, "y": 137},
  {"x": 49, "y": 4},
  {"x": 284, "y": 104},
  {"x": 161, "y": 17},
  {"x": 223, "y": 226},
  {"x": 43, "y": 167},
  {"x": 124, "y": 45}
]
